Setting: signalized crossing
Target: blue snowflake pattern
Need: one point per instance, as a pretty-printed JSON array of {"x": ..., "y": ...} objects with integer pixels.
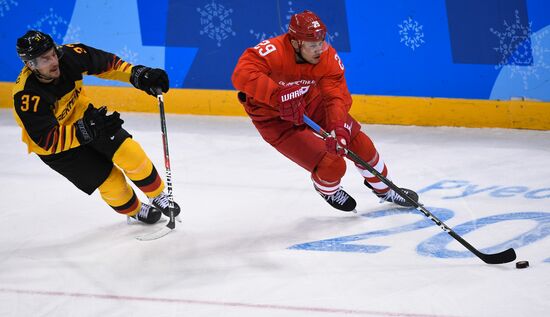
[
  {"x": 49, "y": 24},
  {"x": 216, "y": 22},
  {"x": 411, "y": 33},
  {"x": 6, "y": 5},
  {"x": 72, "y": 35},
  {"x": 260, "y": 35},
  {"x": 514, "y": 43},
  {"x": 520, "y": 50},
  {"x": 128, "y": 55}
]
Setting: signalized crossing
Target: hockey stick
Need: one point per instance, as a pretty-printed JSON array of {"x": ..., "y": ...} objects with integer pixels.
[
  {"x": 171, "y": 225},
  {"x": 496, "y": 258}
]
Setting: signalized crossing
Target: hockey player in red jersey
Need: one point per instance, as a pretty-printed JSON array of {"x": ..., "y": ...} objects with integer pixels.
[
  {"x": 281, "y": 79},
  {"x": 81, "y": 142}
]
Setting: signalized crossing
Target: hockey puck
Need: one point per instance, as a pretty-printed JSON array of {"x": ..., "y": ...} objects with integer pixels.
[{"x": 522, "y": 264}]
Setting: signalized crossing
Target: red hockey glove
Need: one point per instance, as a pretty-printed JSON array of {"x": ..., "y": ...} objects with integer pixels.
[
  {"x": 292, "y": 104},
  {"x": 339, "y": 140}
]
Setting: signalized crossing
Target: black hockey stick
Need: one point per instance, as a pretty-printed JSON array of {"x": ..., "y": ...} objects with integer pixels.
[
  {"x": 171, "y": 225},
  {"x": 496, "y": 258}
]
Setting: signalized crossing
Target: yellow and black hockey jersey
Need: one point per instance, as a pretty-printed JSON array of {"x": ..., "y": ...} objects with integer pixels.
[{"x": 46, "y": 112}]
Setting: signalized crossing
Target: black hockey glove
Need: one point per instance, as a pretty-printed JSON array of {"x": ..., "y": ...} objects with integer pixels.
[
  {"x": 112, "y": 123},
  {"x": 96, "y": 123},
  {"x": 86, "y": 127},
  {"x": 147, "y": 78}
]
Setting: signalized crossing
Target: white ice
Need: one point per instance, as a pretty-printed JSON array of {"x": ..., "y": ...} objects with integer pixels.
[{"x": 63, "y": 253}]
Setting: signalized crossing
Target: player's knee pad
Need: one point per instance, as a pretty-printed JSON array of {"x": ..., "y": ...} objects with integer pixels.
[
  {"x": 139, "y": 168},
  {"x": 118, "y": 194},
  {"x": 330, "y": 169},
  {"x": 132, "y": 159},
  {"x": 363, "y": 146}
]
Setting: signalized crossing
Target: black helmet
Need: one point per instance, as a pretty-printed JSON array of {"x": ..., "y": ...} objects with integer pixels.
[{"x": 33, "y": 44}]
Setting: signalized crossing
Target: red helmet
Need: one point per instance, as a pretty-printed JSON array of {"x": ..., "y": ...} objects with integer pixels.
[{"x": 307, "y": 26}]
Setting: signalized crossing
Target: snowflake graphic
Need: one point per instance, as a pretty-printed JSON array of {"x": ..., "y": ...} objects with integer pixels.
[
  {"x": 331, "y": 36},
  {"x": 72, "y": 35},
  {"x": 260, "y": 36},
  {"x": 514, "y": 43},
  {"x": 522, "y": 51},
  {"x": 128, "y": 55},
  {"x": 216, "y": 22},
  {"x": 49, "y": 24},
  {"x": 6, "y": 5},
  {"x": 411, "y": 33}
]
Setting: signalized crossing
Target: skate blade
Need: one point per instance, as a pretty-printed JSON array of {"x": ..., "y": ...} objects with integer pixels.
[{"x": 155, "y": 235}]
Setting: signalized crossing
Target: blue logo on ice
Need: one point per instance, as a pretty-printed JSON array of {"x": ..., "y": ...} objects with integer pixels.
[{"x": 435, "y": 246}]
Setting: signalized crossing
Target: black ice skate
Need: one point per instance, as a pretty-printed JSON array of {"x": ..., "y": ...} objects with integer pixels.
[
  {"x": 340, "y": 200},
  {"x": 161, "y": 202},
  {"x": 148, "y": 214},
  {"x": 393, "y": 197}
]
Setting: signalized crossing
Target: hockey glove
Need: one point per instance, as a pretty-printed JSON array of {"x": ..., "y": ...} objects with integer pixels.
[
  {"x": 96, "y": 123},
  {"x": 339, "y": 139},
  {"x": 111, "y": 124},
  {"x": 147, "y": 78},
  {"x": 291, "y": 103},
  {"x": 86, "y": 127}
]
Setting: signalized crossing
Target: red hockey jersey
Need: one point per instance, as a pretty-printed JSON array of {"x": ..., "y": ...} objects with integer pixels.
[{"x": 262, "y": 69}]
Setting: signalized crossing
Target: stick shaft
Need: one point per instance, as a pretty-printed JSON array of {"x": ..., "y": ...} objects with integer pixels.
[{"x": 497, "y": 258}]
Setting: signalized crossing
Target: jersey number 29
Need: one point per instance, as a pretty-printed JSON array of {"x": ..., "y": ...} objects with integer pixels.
[{"x": 265, "y": 47}]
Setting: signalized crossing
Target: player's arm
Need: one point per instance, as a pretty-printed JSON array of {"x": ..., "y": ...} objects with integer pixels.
[
  {"x": 109, "y": 66},
  {"x": 41, "y": 125},
  {"x": 334, "y": 88},
  {"x": 251, "y": 75},
  {"x": 338, "y": 102},
  {"x": 100, "y": 63}
]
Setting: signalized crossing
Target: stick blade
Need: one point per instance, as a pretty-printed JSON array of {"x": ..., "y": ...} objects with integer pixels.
[
  {"x": 505, "y": 256},
  {"x": 156, "y": 234}
]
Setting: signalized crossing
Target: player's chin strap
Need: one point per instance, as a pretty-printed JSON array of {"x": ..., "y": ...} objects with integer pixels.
[
  {"x": 298, "y": 51},
  {"x": 496, "y": 258},
  {"x": 32, "y": 67},
  {"x": 42, "y": 77}
]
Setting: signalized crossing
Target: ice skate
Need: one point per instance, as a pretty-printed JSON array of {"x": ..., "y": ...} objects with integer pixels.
[
  {"x": 161, "y": 202},
  {"x": 340, "y": 200},
  {"x": 393, "y": 197},
  {"x": 147, "y": 214}
]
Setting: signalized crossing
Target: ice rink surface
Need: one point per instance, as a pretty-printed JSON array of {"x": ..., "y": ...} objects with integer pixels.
[{"x": 257, "y": 240}]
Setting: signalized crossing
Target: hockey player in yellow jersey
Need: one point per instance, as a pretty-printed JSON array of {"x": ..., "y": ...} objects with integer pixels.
[{"x": 82, "y": 142}]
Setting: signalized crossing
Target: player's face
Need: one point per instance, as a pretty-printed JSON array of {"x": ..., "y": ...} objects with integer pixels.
[
  {"x": 47, "y": 64},
  {"x": 311, "y": 51}
]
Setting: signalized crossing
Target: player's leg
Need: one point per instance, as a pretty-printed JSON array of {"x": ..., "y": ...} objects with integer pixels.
[
  {"x": 127, "y": 154},
  {"x": 363, "y": 146},
  {"x": 137, "y": 166},
  {"x": 118, "y": 194},
  {"x": 88, "y": 170},
  {"x": 306, "y": 149}
]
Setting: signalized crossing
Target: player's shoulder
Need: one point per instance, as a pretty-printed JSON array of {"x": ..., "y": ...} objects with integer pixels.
[
  {"x": 75, "y": 57},
  {"x": 281, "y": 44},
  {"x": 25, "y": 82},
  {"x": 74, "y": 49},
  {"x": 280, "y": 41},
  {"x": 271, "y": 50},
  {"x": 332, "y": 62}
]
